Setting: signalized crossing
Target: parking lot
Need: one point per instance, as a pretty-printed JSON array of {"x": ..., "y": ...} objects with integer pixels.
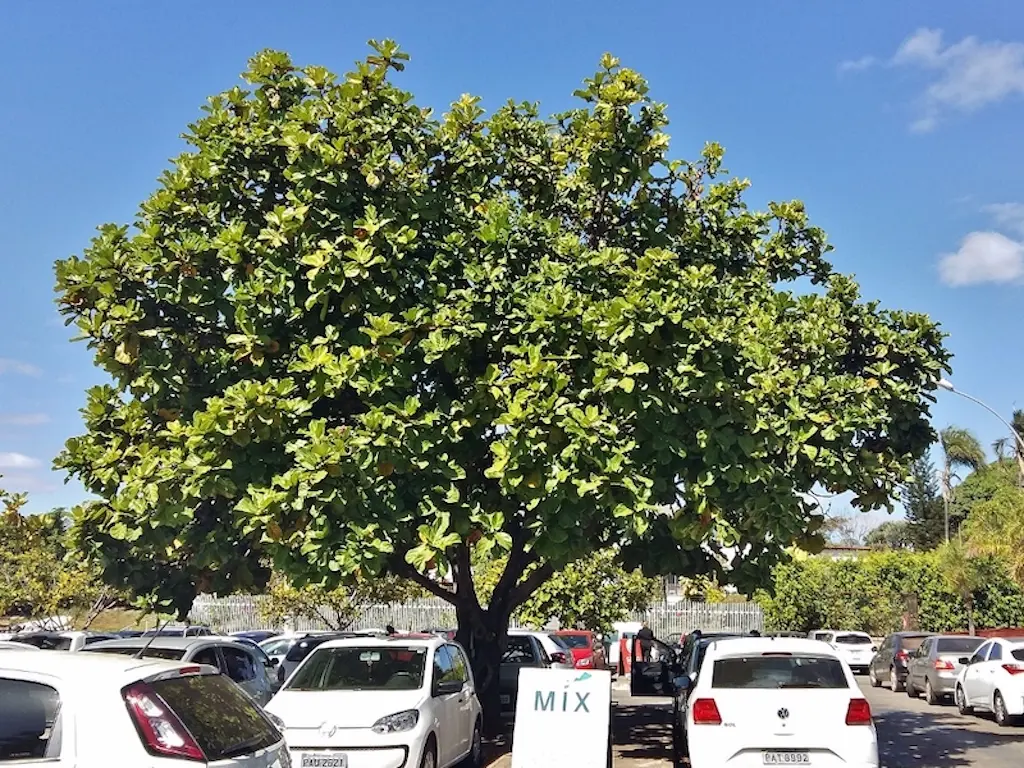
[{"x": 911, "y": 734}]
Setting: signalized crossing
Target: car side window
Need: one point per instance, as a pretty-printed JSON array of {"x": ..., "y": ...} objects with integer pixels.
[
  {"x": 458, "y": 664},
  {"x": 239, "y": 664},
  {"x": 887, "y": 644},
  {"x": 444, "y": 670},
  {"x": 996, "y": 653},
  {"x": 540, "y": 652},
  {"x": 207, "y": 656},
  {"x": 30, "y": 721},
  {"x": 981, "y": 653}
]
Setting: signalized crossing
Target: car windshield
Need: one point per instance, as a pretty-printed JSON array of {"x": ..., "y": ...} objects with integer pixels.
[
  {"x": 912, "y": 643},
  {"x": 959, "y": 644},
  {"x": 172, "y": 654},
  {"x": 361, "y": 668},
  {"x": 46, "y": 642},
  {"x": 853, "y": 639},
  {"x": 779, "y": 671},
  {"x": 574, "y": 641}
]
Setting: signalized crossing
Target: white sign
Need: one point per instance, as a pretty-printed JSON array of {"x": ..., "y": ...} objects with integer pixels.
[{"x": 562, "y": 718}]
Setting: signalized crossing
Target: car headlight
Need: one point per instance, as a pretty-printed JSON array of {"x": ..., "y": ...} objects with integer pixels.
[
  {"x": 585, "y": 662},
  {"x": 400, "y": 721}
]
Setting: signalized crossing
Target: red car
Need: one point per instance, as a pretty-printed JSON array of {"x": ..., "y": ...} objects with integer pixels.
[{"x": 587, "y": 650}]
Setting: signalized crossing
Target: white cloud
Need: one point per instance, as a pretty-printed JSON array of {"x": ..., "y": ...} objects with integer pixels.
[
  {"x": 965, "y": 76},
  {"x": 11, "y": 460},
  {"x": 1008, "y": 215},
  {"x": 857, "y": 65},
  {"x": 984, "y": 257},
  {"x": 8, "y": 365},
  {"x": 23, "y": 419}
]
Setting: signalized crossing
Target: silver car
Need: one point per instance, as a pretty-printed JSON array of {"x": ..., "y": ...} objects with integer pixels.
[
  {"x": 933, "y": 668},
  {"x": 246, "y": 665}
]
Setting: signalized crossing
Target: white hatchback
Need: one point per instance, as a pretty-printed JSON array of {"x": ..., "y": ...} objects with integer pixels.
[
  {"x": 382, "y": 702},
  {"x": 856, "y": 648},
  {"x": 98, "y": 711},
  {"x": 777, "y": 701},
  {"x": 992, "y": 680}
]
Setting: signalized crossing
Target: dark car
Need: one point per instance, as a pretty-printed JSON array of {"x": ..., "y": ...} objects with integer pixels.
[
  {"x": 257, "y": 636},
  {"x": 892, "y": 657}
]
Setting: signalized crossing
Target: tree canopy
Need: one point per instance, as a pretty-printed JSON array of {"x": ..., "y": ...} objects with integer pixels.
[
  {"x": 345, "y": 336},
  {"x": 922, "y": 502}
]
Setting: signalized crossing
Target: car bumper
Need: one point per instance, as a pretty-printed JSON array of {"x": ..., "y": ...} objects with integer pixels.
[
  {"x": 357, "y": 757},
  {"x": 944, "y": 685}
]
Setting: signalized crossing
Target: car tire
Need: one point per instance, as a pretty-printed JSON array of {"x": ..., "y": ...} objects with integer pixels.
[
  {"x": 912, "y": 692},
  {"x": 873, "y": 679},
  {"x": 961, "y": 702},
  {"x": 929, "y": 693},
  {"x": 1003, "y": 718},
  {"x": 894, "y": 681},
  {"x": 475, "y": 758},
  {"x": 429, "y": 759}
]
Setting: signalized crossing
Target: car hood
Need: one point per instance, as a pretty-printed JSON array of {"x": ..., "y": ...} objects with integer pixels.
[{"x": 345, "y": 709}]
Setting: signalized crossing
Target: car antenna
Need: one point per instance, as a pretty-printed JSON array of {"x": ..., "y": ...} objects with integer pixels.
[{"x": 154, "y": 636}]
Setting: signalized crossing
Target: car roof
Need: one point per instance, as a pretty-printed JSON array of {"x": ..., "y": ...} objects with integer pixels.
[
  {"x": 374, "y": 641},
  {"x": 573, "y": 632},
  {"x": 749, "y": 644},
  {"x": 169, "y": 643},
  {"x": 89, "y": 667}
]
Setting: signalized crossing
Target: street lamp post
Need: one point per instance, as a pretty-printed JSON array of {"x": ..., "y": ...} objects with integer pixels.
[{"x": 948, "y": 386}]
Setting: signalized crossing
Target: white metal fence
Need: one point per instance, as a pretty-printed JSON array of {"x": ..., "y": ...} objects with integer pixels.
[{"x": 231, "y": 614}]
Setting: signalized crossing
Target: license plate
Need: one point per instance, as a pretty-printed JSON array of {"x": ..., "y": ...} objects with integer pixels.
[
  {"x": 506, "y": 699},
  {"x": 786, "y": 758},
  {"x": 324, "y": 760}
]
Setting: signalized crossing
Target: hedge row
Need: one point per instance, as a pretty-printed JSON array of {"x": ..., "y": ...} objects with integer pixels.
[{"x": 879, "y": 592}]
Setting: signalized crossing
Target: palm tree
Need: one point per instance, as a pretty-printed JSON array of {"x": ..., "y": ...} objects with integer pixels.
[
  {"x": 1017, "y": 422},
  {"x": 1000, "y": 445},
  {"x": 960, "y": 450}
]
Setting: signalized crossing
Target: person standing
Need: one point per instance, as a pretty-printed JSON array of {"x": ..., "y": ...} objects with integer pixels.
[{"x": 646, "y": 638}]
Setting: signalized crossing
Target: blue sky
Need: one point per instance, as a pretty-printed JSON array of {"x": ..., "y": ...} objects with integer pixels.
[{"x": 897, "y": 123}]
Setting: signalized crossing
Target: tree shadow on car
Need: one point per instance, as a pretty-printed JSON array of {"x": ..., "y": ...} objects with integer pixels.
[{"x": 936, "y": 738}]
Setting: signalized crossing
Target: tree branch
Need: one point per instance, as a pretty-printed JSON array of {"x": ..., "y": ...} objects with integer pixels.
[
  {"x": 407, "y": 571},
  {"x": 529, "y": 585},
  {"x": 518, "y": 561}
]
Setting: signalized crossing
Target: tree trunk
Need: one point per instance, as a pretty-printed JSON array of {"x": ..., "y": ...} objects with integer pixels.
[
  {"x": 969, "y": 605},
  {"x": 483, "y": 634}
]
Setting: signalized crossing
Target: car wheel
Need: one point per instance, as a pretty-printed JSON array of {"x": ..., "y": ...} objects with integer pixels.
[
  {"x": 894, "y": 681},
  {"x": 1003, "y": 718},
  {"x": 911, "y": 690},
  {"x": 873, "y": 679},
  {"x": 929, "y": 693},
  {"x": 961, "y": 702},
  {"x": 475, "y": 758},
  {"x": 429, "y": 759}
]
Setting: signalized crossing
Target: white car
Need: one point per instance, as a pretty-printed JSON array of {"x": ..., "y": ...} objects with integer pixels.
[
  {"x": 10, "y": 645},
  {"x": 992, "y": 680},
  {"x": 776, "y": 701},
  {"x": 98, "y": 711},
  {"x": 404, "y": 701},
  {"x": 560, "y": 655},
  {"x": 856, "y": 648}
]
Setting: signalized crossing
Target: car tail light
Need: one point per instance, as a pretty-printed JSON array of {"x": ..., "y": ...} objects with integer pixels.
[
  {"x": 705, "y": 712},
  {"x": 159, "y": 728},
  {"x": 1014, "y": 669},
  {"x": 557, "y": 657},
  {"x": 902, "y": 655},
  {"x": 858, "y": 712},
  {"x": 943, "y": 664}
]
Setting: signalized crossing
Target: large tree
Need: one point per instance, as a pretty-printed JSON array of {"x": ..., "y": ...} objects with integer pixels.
[
  {"x": 346, "y": 337},
  {"x": 923, "y": 504}
]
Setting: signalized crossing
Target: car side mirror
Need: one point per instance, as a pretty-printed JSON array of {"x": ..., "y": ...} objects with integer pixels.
[
  {"x": 681, "y": 683},
  {"x": 965, "y": 660},
  {"x": 447, "y": 687},
  {"x": 874, "y": 649},
  {"x": 272, "y": 662}
]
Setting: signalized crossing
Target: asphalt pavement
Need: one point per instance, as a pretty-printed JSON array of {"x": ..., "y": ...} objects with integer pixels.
[{"x": 912, "y": 734}]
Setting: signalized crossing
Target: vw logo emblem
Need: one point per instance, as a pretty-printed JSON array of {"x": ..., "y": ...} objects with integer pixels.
[
  {"x": 783, "y": 713},
  {"x": 327, "y": 730}
]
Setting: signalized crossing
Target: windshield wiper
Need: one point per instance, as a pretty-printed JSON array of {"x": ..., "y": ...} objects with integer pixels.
[{"x": 245, "y": 746}]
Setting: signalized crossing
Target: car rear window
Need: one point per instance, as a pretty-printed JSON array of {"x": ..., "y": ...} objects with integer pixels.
[
  {"x": 302, "y": 649},
  {"x": 518, "y": 650},
  {"x": 362, "y": 668},
  {"x": 224, "y": 721},
  {"x": 574, "y": 641},
  {"x": 778, "y": 671},
  {"x": 172, "y": 654},
  {"x": 912, "y": 643},
  {"x": 959, "y": 644},
  {"x": 853, "y": 639},
  {"x": 46, "y": 642},
  {"x": 29, "y": 721}
]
